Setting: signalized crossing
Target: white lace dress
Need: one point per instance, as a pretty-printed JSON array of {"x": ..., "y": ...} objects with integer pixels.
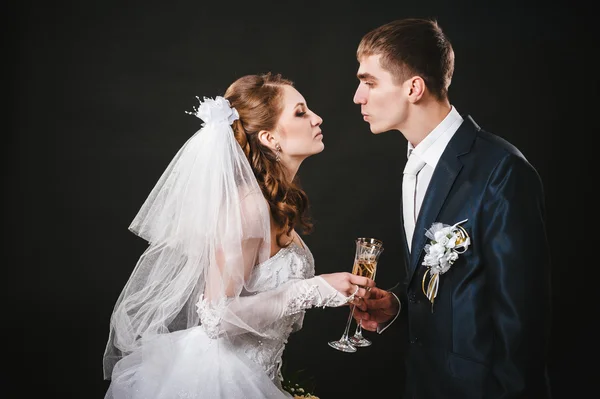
[{"x": 197, "y": 363}]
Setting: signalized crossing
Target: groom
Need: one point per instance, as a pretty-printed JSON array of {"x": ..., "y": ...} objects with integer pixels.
[{"x": 478, "y": 325}]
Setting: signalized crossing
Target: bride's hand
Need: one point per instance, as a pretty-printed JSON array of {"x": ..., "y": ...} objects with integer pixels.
[{"x": 346, "y": 283}]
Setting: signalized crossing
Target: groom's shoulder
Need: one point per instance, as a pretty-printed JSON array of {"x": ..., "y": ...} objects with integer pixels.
[
  {"x": 492, "y": 150},
  {"x": 493, "y": 143}
]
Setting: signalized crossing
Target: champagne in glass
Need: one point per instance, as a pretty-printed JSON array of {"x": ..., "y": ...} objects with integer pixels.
[
  {"x": 365, "y": 264},
  {"x": 365, "y": 268}
]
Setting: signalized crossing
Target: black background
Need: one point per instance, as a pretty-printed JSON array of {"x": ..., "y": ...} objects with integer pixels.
[{"x": 97, "y": 95}]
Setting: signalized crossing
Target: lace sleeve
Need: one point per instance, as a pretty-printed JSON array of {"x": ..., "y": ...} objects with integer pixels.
[{"x": 256, "y": 312}]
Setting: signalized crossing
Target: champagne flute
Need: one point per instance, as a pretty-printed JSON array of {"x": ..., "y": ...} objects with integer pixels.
[
  {"x": 366, "y": 268},
  {"x": 367, "y": 254}
]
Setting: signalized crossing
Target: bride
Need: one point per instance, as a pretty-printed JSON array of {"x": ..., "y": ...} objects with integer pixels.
[{"x": 226, "y": 278}]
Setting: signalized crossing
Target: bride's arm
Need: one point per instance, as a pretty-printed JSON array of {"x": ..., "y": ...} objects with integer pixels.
[{"x": 255, "y": 313}]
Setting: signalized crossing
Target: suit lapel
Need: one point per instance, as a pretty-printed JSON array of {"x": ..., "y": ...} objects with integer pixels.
[
  {"x": 441, "y": 183},
  {"x": 403, "y": 236}
]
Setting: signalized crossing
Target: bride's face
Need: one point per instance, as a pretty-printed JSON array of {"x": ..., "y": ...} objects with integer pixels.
[{"x": 298, "y": 131}]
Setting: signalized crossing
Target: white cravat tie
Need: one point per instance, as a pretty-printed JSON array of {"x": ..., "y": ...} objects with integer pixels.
[{"x": 409, "y": 190}]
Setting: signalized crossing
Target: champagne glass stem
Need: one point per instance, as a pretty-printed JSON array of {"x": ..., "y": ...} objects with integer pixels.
[
  {"x": 347, "y": 330},
  {"x": 357, "y": 339},
  {"x": 358, "y": 332},
  {"x": 343, "y": 344}
]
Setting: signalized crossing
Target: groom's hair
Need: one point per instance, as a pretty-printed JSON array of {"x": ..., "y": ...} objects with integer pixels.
[{"x": 410, "y": 47}]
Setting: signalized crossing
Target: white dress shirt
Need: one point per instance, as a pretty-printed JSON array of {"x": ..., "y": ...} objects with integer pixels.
[{"x": 430, "y": 150}]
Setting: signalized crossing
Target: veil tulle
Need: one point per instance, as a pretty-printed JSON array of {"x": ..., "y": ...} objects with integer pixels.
[{"x": 207, "y": 224}]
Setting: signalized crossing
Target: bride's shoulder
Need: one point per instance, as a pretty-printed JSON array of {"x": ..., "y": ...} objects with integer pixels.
[
  {"x": 252, "y": 200},
  {"x": 290, "y": 263}
]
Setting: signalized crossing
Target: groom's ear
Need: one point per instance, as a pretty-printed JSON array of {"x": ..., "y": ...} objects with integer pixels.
[
  {"x": 267, "y": 139},
  {"x": 415, "y": 87}
]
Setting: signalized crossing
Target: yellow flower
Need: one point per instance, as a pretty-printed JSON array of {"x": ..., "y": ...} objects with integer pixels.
[{"x": 298, "y": 385}]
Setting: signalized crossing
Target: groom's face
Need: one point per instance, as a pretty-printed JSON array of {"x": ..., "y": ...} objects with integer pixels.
[{"x": 383, "y": 103}]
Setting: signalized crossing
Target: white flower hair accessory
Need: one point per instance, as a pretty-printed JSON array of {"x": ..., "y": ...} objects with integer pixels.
[
  {"x": 215, "y": 111},
  {"x": 447, "y": 243}
]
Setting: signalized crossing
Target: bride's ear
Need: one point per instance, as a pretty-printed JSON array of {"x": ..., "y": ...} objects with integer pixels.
[{"x": 267, "y": 139}]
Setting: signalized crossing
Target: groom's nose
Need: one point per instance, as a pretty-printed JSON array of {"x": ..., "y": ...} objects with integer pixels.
[{"x": 360, "y": 96}]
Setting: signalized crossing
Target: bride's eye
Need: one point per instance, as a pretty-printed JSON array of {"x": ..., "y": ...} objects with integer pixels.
[{"x": 300, "y": 113}]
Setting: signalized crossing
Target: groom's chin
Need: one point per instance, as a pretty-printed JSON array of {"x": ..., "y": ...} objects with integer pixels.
[{"x": 375, "y": 130}]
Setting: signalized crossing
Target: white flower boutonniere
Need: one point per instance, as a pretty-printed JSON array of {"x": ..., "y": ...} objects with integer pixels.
[{"x": 447, "y": 242}]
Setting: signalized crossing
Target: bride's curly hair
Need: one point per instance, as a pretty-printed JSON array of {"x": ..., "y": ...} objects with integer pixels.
[{"x": 259, "y": 101}]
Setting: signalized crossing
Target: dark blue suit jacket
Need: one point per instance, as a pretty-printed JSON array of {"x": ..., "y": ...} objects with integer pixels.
[{"x": 487, "y": 336}]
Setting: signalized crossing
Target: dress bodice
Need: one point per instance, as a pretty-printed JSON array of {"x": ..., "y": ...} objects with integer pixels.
[{"x": 290, "y": 263}]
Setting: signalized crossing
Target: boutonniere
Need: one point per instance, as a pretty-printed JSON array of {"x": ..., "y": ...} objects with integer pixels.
[{"x": 447, "y": 243}]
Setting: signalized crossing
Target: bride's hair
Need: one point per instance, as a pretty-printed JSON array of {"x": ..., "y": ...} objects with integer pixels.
[{"x": 259, "y": 101}]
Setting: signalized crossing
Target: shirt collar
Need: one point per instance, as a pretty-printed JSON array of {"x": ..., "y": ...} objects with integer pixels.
[{"x": 430, "y": 149}]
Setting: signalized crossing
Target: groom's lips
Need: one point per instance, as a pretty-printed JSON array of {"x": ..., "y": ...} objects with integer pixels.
[{"x": 365, "y": 116}]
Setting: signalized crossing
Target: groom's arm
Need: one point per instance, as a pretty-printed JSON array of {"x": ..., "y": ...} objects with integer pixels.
[
  {"x": 396, "y": 295},
  {"x": 516, "y": 256}
]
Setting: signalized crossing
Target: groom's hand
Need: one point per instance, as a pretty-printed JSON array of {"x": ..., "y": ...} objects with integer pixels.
[{"x": 381, "y": 306}]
